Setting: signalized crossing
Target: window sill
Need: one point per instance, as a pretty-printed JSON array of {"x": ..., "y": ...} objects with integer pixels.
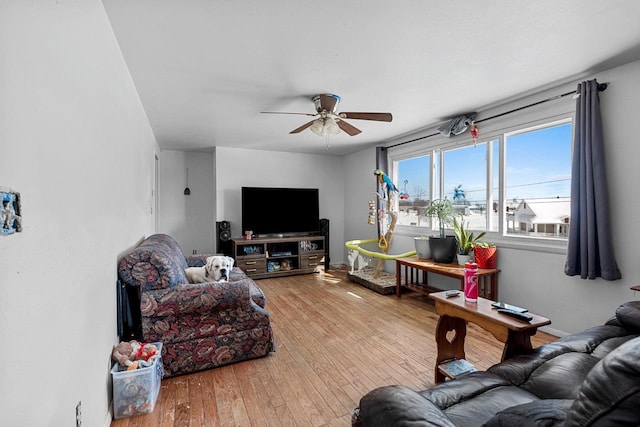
[{"x": 533, "y": 244}]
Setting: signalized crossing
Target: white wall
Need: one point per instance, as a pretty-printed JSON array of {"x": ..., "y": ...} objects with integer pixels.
[
  {"x": 236, "y": 168},
  {"x": 536, "y": 279},
  {"x": 189, "y": 219},
  {"x": 75, "y": 142}
]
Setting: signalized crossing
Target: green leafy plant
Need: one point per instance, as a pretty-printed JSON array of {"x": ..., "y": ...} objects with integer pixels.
[
  {"x": 484, "y": 245},
  {"x": 466, "y": 239},
  {"x": 443, "y": 210},
  {"x": 486, "y": 254}
]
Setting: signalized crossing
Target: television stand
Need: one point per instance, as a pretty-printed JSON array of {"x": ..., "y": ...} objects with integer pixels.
[{"x": 265, "y": 257}]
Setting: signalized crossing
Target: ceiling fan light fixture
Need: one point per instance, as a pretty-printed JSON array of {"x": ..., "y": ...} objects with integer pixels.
[
  {"x": 325, "y": 126},
  {"x": 318, "y": 127},
  {"x": 331, "y": 126}
]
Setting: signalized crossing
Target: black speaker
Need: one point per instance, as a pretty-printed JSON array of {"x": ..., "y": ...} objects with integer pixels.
[
  {"x": 324, "y": 231},
  {"x": 129, "y": 315},
  {"x": 223, "y": 238}
]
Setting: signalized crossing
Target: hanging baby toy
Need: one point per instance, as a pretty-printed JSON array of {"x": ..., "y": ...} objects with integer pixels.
[
  {"x": 404, "y": 195},
  {"x": 474, "y": 133}
]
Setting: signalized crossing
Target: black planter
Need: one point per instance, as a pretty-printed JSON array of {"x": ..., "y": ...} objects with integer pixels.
[{"x": 443, "y": 250}]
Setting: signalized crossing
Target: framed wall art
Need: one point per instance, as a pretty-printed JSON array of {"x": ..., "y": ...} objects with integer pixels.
[{"x": 11, "y": 215}]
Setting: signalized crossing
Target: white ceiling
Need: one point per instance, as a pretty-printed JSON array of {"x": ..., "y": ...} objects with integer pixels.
[{"x": 205, "y": 69}]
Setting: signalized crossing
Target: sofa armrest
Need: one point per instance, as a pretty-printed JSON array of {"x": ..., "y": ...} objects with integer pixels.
[
  {"x": 519, "y": 369},
  {"x": 150, "y": 267},
  {"x": 195, "y": 298},
  {"x": 398, "y": 406}
]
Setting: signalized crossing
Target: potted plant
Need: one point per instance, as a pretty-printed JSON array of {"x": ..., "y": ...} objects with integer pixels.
[
  {"x": 443, "y": 210},
  {"x": 465, "y": 239},
  {"x": 486, "y": 254},
  {"x": 443, "y": 248},
  {"x": 422, "y": 247}
]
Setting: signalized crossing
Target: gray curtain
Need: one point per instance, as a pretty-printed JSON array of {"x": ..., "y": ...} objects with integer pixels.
[{"x": 590, "y": 250}]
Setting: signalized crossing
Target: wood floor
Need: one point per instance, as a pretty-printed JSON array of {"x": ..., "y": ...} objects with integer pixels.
[{"x": 335, "y": 341}]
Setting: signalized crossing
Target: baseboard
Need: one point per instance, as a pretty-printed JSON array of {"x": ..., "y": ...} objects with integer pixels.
[
  {"x": 107, "y": 421},
  {"x": 555, "y": 332}
]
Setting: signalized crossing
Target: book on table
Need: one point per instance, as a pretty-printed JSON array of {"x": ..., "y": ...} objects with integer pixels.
[{"x": 455, "y": 367}]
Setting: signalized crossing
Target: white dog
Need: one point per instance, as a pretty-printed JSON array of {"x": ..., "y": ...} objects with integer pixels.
[{"x": 216, "y": 269}]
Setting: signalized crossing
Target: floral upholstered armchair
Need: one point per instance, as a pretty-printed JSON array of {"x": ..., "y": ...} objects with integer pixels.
[{"x": 202, "y": 325}]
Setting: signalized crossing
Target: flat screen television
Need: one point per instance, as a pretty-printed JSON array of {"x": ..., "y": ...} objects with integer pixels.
[{"x": 275, "y": 211}]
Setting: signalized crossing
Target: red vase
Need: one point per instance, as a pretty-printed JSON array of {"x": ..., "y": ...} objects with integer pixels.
[{"x": 486, "y": 257}]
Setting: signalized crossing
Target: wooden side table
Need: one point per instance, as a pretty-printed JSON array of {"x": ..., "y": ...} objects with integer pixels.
[
  {"x": 455, "y": 312},
  {"x": 409, "y": 270}
]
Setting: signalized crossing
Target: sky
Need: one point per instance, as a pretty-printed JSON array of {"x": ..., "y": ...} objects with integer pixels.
[{"x": 538, "y": 165}]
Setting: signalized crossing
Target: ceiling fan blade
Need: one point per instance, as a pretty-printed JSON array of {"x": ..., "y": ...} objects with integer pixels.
[
  {"x": 303, "y": 127},
  {"x": 351, "y": 130},
  {"x": 282, "y": 112},
  {"x": 328, "y": 102},
  {"x": 379, "y": 117}
]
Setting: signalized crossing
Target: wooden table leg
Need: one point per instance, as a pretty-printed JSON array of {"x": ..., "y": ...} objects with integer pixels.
[
  {"x": 449, "y": 349},
  {"x": 398, "y": 279},
  {"x": 518, "y": 342},
  {"x": 494, "y": 287}
]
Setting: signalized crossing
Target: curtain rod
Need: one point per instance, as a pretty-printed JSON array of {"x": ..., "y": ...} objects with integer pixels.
[{"x": 601, "y": 88}]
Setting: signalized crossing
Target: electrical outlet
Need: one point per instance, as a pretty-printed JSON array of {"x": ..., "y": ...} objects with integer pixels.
[{"x": 79, "y": 414}]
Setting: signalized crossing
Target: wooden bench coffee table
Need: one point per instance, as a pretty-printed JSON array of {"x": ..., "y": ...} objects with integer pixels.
[
  {"x": 455, "y": 312},
  {"x": 409, "y": 270}
]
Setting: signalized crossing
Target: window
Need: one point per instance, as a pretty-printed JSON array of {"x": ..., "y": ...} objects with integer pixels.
[
  {"x": 538, "y": 181},
  {"x": 414, "y": 183},
  {"x": 514, "y": 183},
  {"x": 465, "y": 183}
]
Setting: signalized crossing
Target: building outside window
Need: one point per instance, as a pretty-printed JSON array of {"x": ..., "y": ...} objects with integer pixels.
[{"x": 538, "y": 181}]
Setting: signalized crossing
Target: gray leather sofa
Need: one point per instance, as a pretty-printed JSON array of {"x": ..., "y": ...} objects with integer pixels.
[{"x": 591, "y": 378}]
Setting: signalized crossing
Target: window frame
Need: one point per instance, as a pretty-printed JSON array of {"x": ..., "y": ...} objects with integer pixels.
[{"x": 492, "y": 132}]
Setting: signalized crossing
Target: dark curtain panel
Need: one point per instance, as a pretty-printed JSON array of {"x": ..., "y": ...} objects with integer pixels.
[
  {"x": 590, "y": 249},
  {"x": 381, "y": 159},
  {"x": 382, "y": 164}
]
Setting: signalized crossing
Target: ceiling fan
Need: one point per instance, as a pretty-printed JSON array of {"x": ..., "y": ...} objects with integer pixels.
[{"x": 329, "y": 121}]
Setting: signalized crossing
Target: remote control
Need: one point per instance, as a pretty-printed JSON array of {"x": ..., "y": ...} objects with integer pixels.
[
  {"x": 516, "y": 314},
  {"x": 508, "y": 307},
  {"x": 450, "y": 294}
]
